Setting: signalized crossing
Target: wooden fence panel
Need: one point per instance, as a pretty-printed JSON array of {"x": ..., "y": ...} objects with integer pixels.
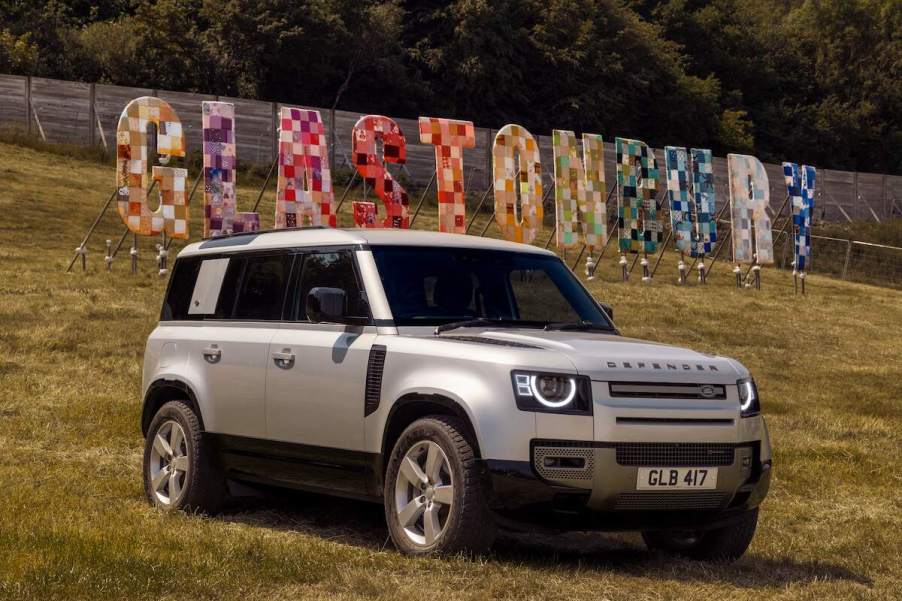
[
  {"x": 63, "y": 108},
  {"x": 12, "y": 100},
  {"x": 109, "y": 102}
]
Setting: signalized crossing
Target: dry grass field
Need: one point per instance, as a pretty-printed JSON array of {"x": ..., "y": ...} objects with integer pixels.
[{"x": 74, "y": 523}]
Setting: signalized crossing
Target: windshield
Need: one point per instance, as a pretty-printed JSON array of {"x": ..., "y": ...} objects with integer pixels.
[{"x": 433, "y": 286}]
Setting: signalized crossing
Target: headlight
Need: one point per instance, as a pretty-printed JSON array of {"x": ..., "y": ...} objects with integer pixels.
[
  {"x": 749, "y": 404},
  {"x": 552, "y": 393}
]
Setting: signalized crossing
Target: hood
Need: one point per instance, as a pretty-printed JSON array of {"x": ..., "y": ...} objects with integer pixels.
[{"x": 609, "y": 357}]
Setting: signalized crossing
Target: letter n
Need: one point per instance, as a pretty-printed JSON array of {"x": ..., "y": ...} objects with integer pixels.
[{"x": 749, "y": 198}]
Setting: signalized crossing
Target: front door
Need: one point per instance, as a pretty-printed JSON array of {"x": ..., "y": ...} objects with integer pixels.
[{"x": 317, "y": 372}]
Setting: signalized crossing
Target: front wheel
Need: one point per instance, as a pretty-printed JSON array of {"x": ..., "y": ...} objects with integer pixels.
[
  {"x": 722, "y": 544},
  {"x": 434, "y": 502}
]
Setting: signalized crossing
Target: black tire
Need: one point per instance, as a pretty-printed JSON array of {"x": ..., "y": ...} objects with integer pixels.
[
  {"x": 203, "y": 485},
  {"x": 470, "y": 526},
  {"x": 722, "y": 544}
]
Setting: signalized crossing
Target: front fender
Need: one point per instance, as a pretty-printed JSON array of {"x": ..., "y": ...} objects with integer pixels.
[{"x": 474, "y": 378}]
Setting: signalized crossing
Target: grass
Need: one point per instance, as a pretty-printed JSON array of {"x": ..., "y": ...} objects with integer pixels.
[{"x": 74, "y": 523}]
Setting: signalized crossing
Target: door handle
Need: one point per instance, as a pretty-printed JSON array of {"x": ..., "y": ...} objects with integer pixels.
[
  {"x": 285, "y": 359},
  {"x": 212, "y": 354}
]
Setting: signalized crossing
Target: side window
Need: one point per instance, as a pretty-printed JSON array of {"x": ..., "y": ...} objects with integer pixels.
[
  {"x": 181, "y": 289},
  {"x": 329, "y": 270},
  {"x": 261, "y": 293}
]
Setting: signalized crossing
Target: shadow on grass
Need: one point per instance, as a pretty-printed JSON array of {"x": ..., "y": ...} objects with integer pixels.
[{"x": 363, "y": 525}]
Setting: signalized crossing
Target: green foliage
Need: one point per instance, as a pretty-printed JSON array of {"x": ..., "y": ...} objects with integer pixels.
[{"x": 814, "y": 81}]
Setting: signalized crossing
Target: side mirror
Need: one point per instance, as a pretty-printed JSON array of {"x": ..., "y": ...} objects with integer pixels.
[
  {"x": 608, "y": 310},
  {"x": 326, "y": 305}
]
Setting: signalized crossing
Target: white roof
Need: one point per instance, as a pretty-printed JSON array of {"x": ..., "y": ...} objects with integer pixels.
[{"x": 293, "y": 238}]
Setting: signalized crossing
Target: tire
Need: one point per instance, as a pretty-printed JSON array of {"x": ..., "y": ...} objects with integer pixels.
[
  {"x": 199, "y": 484},
  {"x": 464, "y": 525},
  {"x": 722, "y": 544}
]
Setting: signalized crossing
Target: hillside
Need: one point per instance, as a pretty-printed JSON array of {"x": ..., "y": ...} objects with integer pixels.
[{"x": 74, "y": 523}]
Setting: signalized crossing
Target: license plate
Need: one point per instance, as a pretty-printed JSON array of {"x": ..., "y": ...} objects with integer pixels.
[{"x": 676, "y": 478}]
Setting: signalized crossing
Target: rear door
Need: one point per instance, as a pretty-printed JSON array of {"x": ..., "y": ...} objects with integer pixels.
[{"x": 236, "y": 309}]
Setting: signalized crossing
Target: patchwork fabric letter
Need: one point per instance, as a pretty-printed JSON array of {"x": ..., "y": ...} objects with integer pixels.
[
  {"x": 800, "y": 185},
  {"x": 367, "y": 131},
  {"x": 516, "y": 165},
  {"x": 450, "y": 137},
  {"x": 221, "y": 214},
  {"x": 749, "y": 197},
  {"x": 692, "y": 206},
  {"x": 637, "y": 175},
  {"x": 131, "y": 169},
  {"x": 364, "y": 214},
  {"x": 579, "y": 190},
  {"x": 304, "y": 193}
]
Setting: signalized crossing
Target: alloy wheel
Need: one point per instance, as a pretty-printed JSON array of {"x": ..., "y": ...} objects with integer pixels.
[
  {"x": 169, "y": 463},
  {"x": 424, "y": 493}
]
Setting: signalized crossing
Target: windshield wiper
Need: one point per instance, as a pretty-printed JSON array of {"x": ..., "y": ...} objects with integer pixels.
[
  {"x": 472, "y": 323},
  {"x": 579, "y": 326}
]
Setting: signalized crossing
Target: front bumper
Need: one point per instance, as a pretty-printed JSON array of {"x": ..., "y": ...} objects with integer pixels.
[{"x": 592, "y": 485}]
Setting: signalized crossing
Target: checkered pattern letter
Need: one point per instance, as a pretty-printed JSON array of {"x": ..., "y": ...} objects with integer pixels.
[
  {"x": 367, "y": 131},
  {"x": 579, "y": 190},
  {"x": 749, "y": 197},
  {"x": 800, "y": 186},
  {"x": 637, "y": 176},
  {"x": 692, "y": 206},
  {"x": 365, "y": 214},
  {"x": 450, "y": 137},
  {"x": 511, "y": 172},
  {"x": 131, "y": 169},
  {"x": 221, "y": 214},
  {"x": 304, "y": 187}
]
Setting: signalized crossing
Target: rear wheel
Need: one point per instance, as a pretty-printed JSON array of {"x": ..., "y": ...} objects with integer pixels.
[
  {"x": 722, "y": 544},
  {"x": 434, "y": 502},
  {"x": 180, "y": 471}
]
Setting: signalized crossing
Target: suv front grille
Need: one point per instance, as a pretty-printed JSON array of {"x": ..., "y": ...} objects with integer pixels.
[
  {"x": 675, "y": 454},
  {"x": 669, "y": 501},
  {"x": 663, "y": 390}
]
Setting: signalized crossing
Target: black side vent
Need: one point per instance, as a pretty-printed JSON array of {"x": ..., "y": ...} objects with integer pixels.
[{"x": 374, "y": 379}]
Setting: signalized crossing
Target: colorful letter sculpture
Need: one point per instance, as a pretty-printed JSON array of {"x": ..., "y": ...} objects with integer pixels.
[
  {"x": 511, "y": 172},
  {"x": 365, "y": 214},
  {"x": 131, "y": 169},
  {"x": 579, "y": 190},
  {"x": 304, "y": 187},
  {"x": 800, "y": 185},
  {"x": 749, "y": 197},
  {"x": 450, "y": 137},
  {"x": 637, "y": 176},
  {"x": 694, "y": 227},
  {"x": 367, "y": 131},
  {"x": 221, "y": 214}
]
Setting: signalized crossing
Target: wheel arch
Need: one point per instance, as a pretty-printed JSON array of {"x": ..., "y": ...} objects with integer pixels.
[
  {"x": 416, "y": 405},
  {"x": 161, "y": 392}
]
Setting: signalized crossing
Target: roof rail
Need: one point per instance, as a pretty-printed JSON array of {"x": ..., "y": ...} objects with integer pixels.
[{"x": 269, "y": 231}]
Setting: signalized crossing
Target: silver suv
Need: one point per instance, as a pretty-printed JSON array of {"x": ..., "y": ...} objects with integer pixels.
[{"x": 465, "y": 383}]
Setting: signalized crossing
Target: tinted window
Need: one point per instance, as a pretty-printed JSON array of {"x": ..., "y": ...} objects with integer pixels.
[
  {"x": 431, "y": 286},
  {"x": 264, "y": 281},
  {"x": 330, "y": 270},
  {"x": 181, "y": 287}
]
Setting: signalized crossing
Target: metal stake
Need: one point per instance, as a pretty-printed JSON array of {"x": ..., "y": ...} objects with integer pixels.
[{"x": 265, "y": 182}]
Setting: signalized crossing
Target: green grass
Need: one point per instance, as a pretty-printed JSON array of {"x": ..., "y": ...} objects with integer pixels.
[{"x": 74, "y": 523}]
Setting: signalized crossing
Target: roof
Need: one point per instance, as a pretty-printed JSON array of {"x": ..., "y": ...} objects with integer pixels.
[{"x": 301, "y": 237}]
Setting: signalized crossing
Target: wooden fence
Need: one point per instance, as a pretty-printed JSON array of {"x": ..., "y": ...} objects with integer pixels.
[{"x": 87, "y": 114}]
